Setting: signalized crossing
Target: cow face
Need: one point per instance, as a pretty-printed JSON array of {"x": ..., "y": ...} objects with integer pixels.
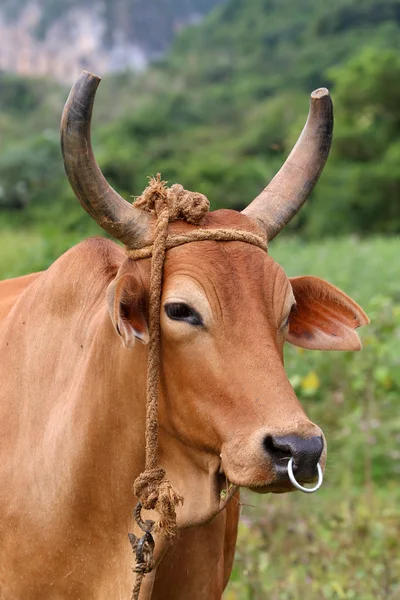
[{"x": 227, "y": 310}]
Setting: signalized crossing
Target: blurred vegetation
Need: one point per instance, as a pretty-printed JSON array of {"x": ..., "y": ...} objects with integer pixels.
[
  {"x": 219, "y": 114},
  {"x": 343, "y": 544}
]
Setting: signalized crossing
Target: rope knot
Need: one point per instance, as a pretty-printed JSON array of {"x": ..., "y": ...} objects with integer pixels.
[
  {"x": 155, "y": 492},
  {"x": 146, "y": 487},
  {"x": 180, "y": 203}
]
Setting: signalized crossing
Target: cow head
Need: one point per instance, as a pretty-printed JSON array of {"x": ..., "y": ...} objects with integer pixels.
[{"x": 226, "y": 405}]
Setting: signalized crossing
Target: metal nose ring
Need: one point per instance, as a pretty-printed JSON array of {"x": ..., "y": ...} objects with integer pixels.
[{"x": 300, "y": 487}]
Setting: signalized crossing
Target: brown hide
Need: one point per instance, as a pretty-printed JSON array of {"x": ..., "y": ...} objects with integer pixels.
[
  {"x": 72, "y": 414},
  {"x": 11, "y": 289}
]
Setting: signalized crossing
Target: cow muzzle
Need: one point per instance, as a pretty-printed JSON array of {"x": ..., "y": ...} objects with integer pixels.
[{"x": 261, "y": 464}]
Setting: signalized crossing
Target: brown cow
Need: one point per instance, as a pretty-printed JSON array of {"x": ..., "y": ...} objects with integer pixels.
[{"x": 73, "y": 385}]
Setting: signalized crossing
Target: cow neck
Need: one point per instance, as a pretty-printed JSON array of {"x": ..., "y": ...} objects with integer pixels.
[{"x": 152, "y": 487}]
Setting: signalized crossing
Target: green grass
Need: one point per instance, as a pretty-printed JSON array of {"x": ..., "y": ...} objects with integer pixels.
[
  {"x": 344, "y": 541},
  {"x": 25, "y": 251},
  {"x": 363, "y": 268},
  {"x": 340, "y": 543}
]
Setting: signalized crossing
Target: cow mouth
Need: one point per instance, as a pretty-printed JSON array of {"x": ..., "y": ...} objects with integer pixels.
[
  {"x": 279, "y": 485},
  {"x": 225, "y": 486},
  {"x": 273, "y": 488}
]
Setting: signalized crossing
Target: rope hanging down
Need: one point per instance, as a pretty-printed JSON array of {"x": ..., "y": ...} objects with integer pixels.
[{"x": 152, "y": 487}]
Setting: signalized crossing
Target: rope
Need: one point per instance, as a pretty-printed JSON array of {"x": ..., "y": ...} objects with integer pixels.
[
  {"x": 152, "y": 487},
  {"x": 138, "y": 584},
  {"x": 143, "y": 566},
  {"x": 219, "y": 235}
]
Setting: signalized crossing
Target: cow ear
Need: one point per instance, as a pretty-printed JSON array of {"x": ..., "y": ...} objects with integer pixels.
[
  {"x": 126, "y": 305},
  {"x": 324, "y": 317}
]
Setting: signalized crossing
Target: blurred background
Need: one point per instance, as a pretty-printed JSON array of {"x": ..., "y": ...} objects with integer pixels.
[{"x": 213, "y": 94}]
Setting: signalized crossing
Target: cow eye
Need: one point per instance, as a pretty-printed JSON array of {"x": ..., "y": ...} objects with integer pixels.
[{"x": 179, "y": 311}]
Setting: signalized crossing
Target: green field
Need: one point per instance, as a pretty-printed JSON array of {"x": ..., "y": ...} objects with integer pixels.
[{"x": 342, "y": 542}]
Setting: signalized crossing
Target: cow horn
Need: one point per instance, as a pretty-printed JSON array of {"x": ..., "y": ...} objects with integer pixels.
[
  {"x": 289, "y": 189},
  {"x": 117, "y": 216}
]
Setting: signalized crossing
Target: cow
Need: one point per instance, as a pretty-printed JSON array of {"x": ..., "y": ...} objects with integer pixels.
[{"x": 73, "y": 343}]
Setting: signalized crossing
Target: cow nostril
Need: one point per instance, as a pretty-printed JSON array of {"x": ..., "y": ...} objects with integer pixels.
[
  {"x": 276, "y": 451},
  {"x": 306, "y": 452}
]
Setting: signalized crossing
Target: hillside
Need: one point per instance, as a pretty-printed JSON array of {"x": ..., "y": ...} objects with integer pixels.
[
  {"x": 58, "y": 38},
  {"x": 221, "y": 111}
]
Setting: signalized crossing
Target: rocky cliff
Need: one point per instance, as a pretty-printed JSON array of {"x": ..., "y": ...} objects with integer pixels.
[{"x": 60, "y": 38}]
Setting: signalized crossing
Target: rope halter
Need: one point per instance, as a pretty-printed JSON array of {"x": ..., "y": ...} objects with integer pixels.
[{"x": 152, "y": 487}]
